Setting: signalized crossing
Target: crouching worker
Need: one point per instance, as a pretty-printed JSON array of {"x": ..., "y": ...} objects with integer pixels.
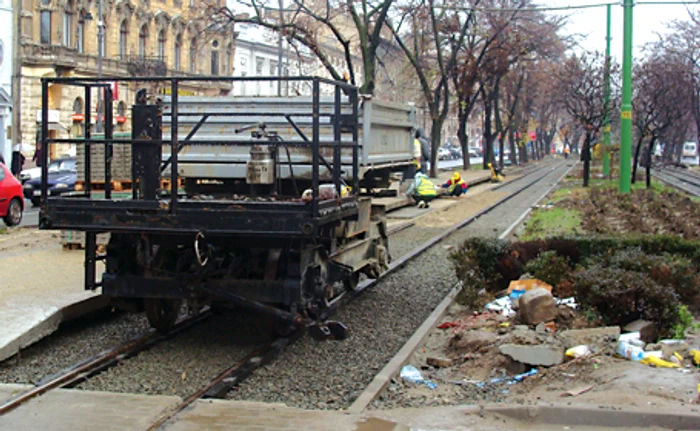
[
  {"x": 422, "y": 191},
  {"x": 455, "y": 186}
]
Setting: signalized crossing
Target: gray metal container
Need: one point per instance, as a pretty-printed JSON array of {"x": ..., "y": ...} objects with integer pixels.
[{"x": 385, "y": 135}]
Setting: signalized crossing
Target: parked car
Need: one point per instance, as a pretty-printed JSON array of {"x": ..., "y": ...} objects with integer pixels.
[
  {"x": 63, "y": 174},
  {"x": 455, "y": 152},
  {"x": 11, "y": 201},
  {"x": 444, "y": 154},
  {"x": 32, "y": 173}
]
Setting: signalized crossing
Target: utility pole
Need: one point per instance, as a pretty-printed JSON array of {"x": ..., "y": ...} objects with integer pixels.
[
  {"x": 279, "y": 52},
  {"x": 606, "y": 99},
  {"x": 100, "y": 45},
  {"x": 626, "y": 114},
  {"x": 16, "y": 76}
]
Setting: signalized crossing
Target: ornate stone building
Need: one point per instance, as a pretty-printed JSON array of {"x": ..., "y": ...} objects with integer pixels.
[{"x": 141, "y": 38}]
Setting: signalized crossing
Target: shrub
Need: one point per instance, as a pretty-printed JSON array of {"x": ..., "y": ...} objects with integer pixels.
[
  {"x": 685, "y": 322},
  {"x": 620, "y": 296},
  {"x": 549, "y": 267},
  {"x": 476, "y": 265}
]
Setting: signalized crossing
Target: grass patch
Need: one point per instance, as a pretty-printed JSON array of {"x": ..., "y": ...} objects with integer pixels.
[{"x": 555, "y": 221}]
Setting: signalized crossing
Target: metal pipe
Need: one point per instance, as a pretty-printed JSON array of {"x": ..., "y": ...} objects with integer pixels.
[
  {"x": 626, "y": 108},
  {"x": 100, "y": 44}
]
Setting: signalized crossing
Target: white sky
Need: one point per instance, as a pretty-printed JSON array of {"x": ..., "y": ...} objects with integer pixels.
[{"x": 648, "y": 20}]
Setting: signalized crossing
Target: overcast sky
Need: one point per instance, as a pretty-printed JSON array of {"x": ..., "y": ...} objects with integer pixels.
[{"x": 648, "y": 20}]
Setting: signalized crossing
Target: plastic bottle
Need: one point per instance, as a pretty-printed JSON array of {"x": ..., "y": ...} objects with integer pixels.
[{"x": 629, "y": 351}]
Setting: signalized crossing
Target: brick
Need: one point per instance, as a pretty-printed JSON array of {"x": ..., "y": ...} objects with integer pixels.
[
  {"x": 439, "y": 362},
  {"x": 647, "y": 330}
]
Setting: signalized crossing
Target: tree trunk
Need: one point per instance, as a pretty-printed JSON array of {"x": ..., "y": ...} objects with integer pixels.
[
  {"x": 488, "y": 138},
  {"x": 511, "y": 145},
  {"x": 436, "y": 135},
  {"x": 636, "y": 159},
  {"x": 463, "y": 139},
  {"x": 648, "y": 165},
  {"x": 587, "y": 159}
]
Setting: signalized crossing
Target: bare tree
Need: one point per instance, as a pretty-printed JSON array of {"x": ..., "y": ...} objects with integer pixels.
[
  {"x": 660, "y": 86},
  {"x": 581, "y": 90}
]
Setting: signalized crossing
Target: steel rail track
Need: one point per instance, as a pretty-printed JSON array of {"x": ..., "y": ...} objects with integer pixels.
[
  {"x": 686, "y": 182},
  {"x": 262, "y": 355},
  {"x": 100, "y": 362}
]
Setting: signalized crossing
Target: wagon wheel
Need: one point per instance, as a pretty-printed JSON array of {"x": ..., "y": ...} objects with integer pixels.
[{"x": 162, "y": 312}]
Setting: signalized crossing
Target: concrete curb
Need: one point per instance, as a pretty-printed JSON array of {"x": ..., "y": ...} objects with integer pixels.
[
  {"x": 51, "y": 323},
  {"x": 399, "y": 360},
  {"x": 599, "y": 416}
]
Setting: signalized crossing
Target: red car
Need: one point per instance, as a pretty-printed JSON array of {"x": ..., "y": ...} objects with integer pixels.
[{"x": 11, "y": 200}]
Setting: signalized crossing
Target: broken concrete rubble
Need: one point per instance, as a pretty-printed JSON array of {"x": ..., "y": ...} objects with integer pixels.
[
  {"x": 472, "y": 341},
  {"x": 544, "y": 355},
  {"x": 589, "y": 336},
  {"x": 536, "y": 306},
  {"x": 647, "y": 330}
]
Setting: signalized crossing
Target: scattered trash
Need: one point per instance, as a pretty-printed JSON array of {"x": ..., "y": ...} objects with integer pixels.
[
  {"x": 696, "y": 356},
  {"x": 577, "y": 391},
  {"x": 411, "y": 374},
  {"x": 527, "y": 284},
  {"x": 569, "y": 302},
  {"x": 629, "y": 351},
  {"x": 504, "y": 324},
  {"x": 504, "y": 380},
  {"x": 647, "y": 330},
  {"x": 578, "y": 352},
  {"x": 448, "y": 325},
  {"x": 502, "y": 305},
  {"x": 658, "y": 362},
  {"x": 655, "y": 353}
]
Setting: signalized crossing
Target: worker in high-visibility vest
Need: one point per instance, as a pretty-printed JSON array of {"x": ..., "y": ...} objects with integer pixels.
[
  {"x": 455, "y": 186},
  {"x": 422, "y": 191}
]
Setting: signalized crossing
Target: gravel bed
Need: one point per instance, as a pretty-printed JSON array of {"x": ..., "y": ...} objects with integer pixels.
[
  {"x": 187, "y": 362},
  {"x": 331, "y": 375},
  {"x": 73, "y": 342}
]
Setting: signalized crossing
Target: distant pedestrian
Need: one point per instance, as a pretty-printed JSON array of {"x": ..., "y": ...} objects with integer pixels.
[
  {"x": 2, "y": 159},
  {"x": 566, "y": 152},
  {"x": 455, "y": 186},
  {"x": 37, "y": 155},
  {"x": 17, "y": 163},
  {"x": 424, "y": 149}
]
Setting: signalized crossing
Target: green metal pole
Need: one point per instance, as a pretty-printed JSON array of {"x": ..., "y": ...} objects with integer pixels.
[
  {"x": 606, "y": 100},
  {"x": 626, "y": 114}
]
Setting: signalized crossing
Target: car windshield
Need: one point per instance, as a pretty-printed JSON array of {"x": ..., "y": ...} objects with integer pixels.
[{"x": 67, "y": 165}]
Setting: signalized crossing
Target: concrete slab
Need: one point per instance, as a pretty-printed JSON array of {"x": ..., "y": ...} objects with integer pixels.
[
  {"x": 41, "y": 287},
  {"x": 76, "y": 410}
]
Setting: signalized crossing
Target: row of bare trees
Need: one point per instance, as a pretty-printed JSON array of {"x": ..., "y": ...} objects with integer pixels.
[
  {"x": 493, "y": 57},
  {"x": 497, "y": 58}
]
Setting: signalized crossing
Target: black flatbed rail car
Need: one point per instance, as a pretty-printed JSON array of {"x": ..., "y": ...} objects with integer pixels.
[{"x": 270, "y": 249}]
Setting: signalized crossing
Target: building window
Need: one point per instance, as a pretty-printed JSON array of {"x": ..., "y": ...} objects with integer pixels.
[
  {"x": 123, "y": 40},
  {"x": 78, "y": 116},
  {"x": 143, "y": 40},
  {"x": 46, "y": 2},
  {"x": 121, "y": 109},
  {"x": 215, "y": 58},
  {"x": 229, "y": 57},
  {"x": 102, "y": 46},
  {"x": 80, "y": 43},
  {"x": 178, "y": 49},
  {"x": 273, "y": 72},
  {"x": 193, "y": 55},
  {"x": 46, "y": 26},
  {"x": 259, "y": 62},
  {"x": 161, "y": 45},
  {"x": 68, "y": 25}
]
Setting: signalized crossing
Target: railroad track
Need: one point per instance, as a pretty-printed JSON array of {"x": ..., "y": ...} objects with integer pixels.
[
  {"x": 687, "y": 181},
  {"x": 261, "y": 354}
]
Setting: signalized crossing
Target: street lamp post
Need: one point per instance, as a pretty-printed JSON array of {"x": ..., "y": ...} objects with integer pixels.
[
  {"x": 100, "y": 48},
  {"x": 606, "y": 99},
  {"x": 626, "y": 114}
]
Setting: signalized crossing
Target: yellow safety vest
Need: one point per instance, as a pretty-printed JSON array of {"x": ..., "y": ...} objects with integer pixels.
[
  {"x": 454, "y": 185},
  {"x": 425, "y": 188}
]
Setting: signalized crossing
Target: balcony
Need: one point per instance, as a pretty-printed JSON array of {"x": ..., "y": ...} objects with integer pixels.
[
  {"x": 147, "y": 66},
  {"x": 49, "y": 55}
]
